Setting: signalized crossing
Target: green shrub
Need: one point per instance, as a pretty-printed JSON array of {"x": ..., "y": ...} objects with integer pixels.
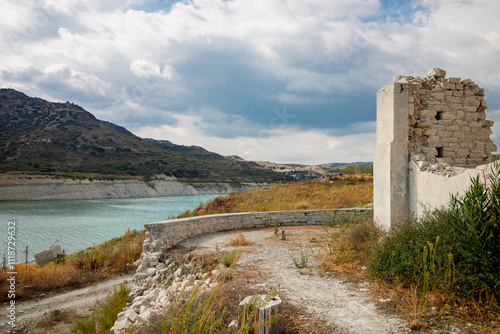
[
  {"x": 302, "y": 260},
  {"x": 84, "y": 326},
  {"x": 476, "y": 218},
  {"x": 468, "y": 232},
  {"x": 103, "y": 317},
  {"x": 113, "y": 306},
  {"x": 230, "y": 258},
  {"x": 398, "y": 258}
]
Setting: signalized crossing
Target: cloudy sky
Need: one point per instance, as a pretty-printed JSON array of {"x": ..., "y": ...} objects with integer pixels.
[{"x": 277, "y": 80}]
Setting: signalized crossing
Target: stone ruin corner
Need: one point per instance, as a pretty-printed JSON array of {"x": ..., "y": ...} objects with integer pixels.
[{"x": 433, "y": 125}]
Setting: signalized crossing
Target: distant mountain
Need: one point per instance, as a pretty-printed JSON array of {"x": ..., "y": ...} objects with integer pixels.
[{"x": 41, "y": 136}]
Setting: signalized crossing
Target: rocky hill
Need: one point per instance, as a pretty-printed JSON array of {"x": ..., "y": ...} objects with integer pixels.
[
  {"x": 309, "y": 172},
  {"x": 297, "y": 171},
  {"x": 41, "y": 136}
]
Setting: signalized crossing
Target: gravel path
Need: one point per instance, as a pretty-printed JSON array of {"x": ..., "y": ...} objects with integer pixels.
[
  {"x": 346, "y": 306},
  {"x": 78, "y": 302}
]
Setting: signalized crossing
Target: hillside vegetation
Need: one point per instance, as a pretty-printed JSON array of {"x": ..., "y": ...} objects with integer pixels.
[
  {"x": 305, "y": 195},
  {"x": 41, "y": 136}
]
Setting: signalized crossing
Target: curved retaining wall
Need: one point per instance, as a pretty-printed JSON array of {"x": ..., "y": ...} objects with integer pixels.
[{"x": 167, "y": 233}]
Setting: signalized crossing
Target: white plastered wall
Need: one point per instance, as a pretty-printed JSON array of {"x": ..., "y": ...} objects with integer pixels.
[{"x": 430, "y": 191}]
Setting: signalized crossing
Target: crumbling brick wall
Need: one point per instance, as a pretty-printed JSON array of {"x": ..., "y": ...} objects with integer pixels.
[{"x": 447, "y": 123}]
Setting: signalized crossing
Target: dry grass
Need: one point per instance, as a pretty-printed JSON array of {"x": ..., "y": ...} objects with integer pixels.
[
  {"x": 239, "y": 240},
  {"x": 76, "y": 270},
  {"x": 57, "y": 321},
  {"x": 306, "y": 195},
  {"x": 347, "y": 248},
  {"x": 466, "y": 313}
]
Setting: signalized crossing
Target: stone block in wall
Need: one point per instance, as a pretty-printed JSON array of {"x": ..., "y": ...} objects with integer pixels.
[
  {"x": 454, "y": 99},
  {"x": 428, "y": 113},
  {"x": 472, "y": 102},
  {"x": 447, "y": 116},
  {"x": 425, "y": 124},
  {"x": 432, "y": 151},
  {"x": 457, "y": 106},
  {"x": 448, "y": 152},
  {"x": 471, "y": 116},
  {"x": 438, "y": 95},
  {"x": 441, "y": 107},
  {"x": 454, "y": 80},
  {"x": 444, "y": 133},
  {"x": 449, "y": 140},
  {"x": 430, "y": 132},
  {"x": 436, "y": 73},
  {"x": 432, "y": 140},
  {"x": 468, "y": 145},
  {"x": 469, "y": 109},
  {"x": 462, "y": 152}
]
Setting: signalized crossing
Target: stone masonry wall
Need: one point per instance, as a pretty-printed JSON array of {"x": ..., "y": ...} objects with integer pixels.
[
  {"x": 447, "y": 122},
  {"x": 164, "y": 234}
]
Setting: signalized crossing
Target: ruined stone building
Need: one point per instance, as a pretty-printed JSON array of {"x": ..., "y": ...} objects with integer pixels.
[{"x": 432, "y": 137}]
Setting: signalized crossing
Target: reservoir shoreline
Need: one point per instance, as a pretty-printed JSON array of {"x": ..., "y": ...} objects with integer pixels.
[{"x": 28, "y": 187}]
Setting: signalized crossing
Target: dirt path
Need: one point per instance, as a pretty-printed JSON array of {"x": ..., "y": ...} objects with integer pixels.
[
  {"x": 346, "y": 306},
  {"x": 76, "y": 302}
]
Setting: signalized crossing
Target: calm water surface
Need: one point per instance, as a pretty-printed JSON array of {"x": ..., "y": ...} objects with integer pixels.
[{"x": 82, "y": 223}]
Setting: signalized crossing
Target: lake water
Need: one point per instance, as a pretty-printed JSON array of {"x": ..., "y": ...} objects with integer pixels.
[{"x": 82, "y": 223}]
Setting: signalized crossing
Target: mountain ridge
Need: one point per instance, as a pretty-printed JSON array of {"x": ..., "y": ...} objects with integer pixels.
[{"x": 51, "y": 137}]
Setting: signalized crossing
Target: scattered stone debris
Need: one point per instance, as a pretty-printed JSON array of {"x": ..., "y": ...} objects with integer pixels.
[{"x": 161, "y": 286}]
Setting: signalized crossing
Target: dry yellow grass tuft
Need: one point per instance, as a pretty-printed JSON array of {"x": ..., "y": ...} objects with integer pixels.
[{"x": 239, "y": 240}]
